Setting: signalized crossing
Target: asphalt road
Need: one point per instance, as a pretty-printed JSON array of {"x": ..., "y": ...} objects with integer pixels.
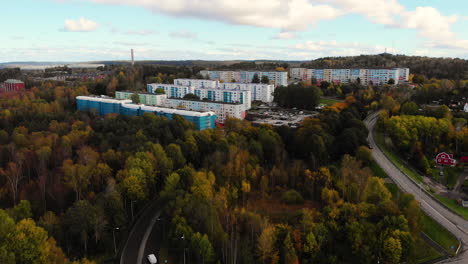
[
  {"x": 452, "y": 222},
  {"x": 144, "y": 231}
]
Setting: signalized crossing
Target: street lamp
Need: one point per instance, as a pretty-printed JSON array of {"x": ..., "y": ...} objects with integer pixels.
[
  {"x": 113, "y": 235},
  {"x": 183, "y": 238}
]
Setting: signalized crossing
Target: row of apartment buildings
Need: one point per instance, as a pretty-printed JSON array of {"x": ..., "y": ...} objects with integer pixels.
[
  {"x": 11, "y": 85},
  {"x": 278, "y": 78},
  {"x": 222, "y": 110},
  {"x": 365, "y": 76},
  {"x": 103, "y": 105}
]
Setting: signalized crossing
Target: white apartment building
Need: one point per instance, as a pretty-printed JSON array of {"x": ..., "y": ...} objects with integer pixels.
[
  {"x": 365, "y": 76},
  {"x": 278, "y": 78},
  {"x": 221, "y": 110},
  {"x": 298, "y": 73},
  {"x": 197, "y": 83},
  {"x": 259, "y": 91}
]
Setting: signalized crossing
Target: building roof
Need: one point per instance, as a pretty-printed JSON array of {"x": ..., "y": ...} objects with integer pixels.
[{"x": 13, "y": 81}]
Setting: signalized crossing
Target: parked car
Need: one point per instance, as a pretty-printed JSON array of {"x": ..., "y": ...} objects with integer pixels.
[{"x": 152, "y": 259}]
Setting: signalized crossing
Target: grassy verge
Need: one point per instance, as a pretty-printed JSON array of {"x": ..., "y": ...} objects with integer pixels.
[
  {"x": 328, "y": 101},
  {"x": 423, "y": 252},
  {"x": 377, "y": 171},
  {"x": 380, "y": 140},
  {"x": 439, "y": 234},
  {"x": 452, "y": 204},
  {"x": 452, "y": 174}
]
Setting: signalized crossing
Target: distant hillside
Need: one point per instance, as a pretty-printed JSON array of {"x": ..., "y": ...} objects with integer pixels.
[{"x": 442, "y": 68}]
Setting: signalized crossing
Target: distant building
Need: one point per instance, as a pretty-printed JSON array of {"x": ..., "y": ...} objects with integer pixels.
[
  {"x": 106, "y": 105},
  {"x": 11, "y": 85},
  {"x": 278, "y": 78},
  {"x": 364, "y": 76},
  {"x": 259, "y": 91}
]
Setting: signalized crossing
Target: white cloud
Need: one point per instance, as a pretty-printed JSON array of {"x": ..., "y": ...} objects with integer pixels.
[
  {"x": 143, "y": 32},
  {"x": 285, "y": 35},
  {"x": 377, "y": 11},
  {"x": 183, "y": 34},
  {"x": 334, "y": 48},
  {"x": 80, "y": 25},
  {"x": 284, "y": 14}
]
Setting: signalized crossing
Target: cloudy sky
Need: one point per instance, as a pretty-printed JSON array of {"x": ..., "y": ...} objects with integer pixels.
[{"x": 90, "y": 30}]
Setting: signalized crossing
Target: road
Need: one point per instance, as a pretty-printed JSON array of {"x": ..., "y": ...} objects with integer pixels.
[
  {"x": 452, "y": 222},
  {"x": 143, "y": 237}
]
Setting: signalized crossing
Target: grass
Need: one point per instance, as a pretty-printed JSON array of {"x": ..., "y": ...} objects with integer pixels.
[
  {"x": 380, "y": 140},
  {"x": 452, "y": 174},
  {"x": 377, "y": 171},
  {"x": 439, "y": 234},
  {"x": 424, "y": 252},
  {"x": 329, "y": 101},
  {"x": 393, "y": 188},
  {"x": 452, "y": 204}
]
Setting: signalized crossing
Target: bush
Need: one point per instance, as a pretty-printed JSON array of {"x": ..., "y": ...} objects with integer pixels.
[{"x": 292, "y": 197}]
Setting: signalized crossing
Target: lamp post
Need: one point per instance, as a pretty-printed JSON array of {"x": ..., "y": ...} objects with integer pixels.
[
  {"x": 113, "y": 235},
  {"x": 183, "y": 238}
]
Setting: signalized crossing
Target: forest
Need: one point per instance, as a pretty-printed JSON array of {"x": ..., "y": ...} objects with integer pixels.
[{"x": 238, "y": 194}]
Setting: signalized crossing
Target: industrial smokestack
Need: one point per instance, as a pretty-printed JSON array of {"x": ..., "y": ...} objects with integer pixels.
[{"x": 133, "y": 59}]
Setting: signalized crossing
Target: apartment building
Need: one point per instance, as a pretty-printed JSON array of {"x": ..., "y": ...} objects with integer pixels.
[
  {"x": 145, "y": 98},
  {"x": 106, "y": 105},
  {"x": 221, "y": 110},
  {"x": 278, "y": 78},
  {"x": 197, "y": 83},
  {"x": 259, "y": 91},
  {"x": 298, "y": 73},
  {"x": 365, "y": 76}
]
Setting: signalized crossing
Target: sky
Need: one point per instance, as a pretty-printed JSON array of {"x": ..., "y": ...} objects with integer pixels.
[{"x": 94, "y": 30}]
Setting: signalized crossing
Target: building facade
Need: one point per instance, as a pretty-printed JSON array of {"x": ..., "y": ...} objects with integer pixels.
[
  {"x": 278, "y": 78},
  {"x": 364, "y": 76},
  {"x": 145, "y": 98},
  {"x": 197, "y": 83},
  {"x": 11, "y": 85},
  {"x": 106, "y": 105},
  {"x": 221, "y": 110},
  {"x": 258, "y": 91}
]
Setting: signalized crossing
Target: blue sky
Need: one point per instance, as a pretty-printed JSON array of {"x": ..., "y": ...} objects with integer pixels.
[{"x": 91, "y": 30}]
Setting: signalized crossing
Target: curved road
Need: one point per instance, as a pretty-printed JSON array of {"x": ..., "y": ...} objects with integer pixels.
[{"x": 452, "y": 222}]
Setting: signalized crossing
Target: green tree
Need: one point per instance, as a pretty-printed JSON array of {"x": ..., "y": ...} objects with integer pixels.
[
  {"x": 392, "y": 250},
  {"x": 265, "y": 79},
  {"x": 135, "y": 98},
  {"x": 255, "y": 79},
  {"x": 391, "y": 81},
  {"x": 191, "y": 96},
  {"x": 175, "y": 153},
  {"x": 376, "y": 192}
]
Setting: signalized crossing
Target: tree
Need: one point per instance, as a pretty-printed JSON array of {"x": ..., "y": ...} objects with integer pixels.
[
  {"x": 159, "y": 91},
  {"x": 255, "y": 78},
  {"x": 364, "y": 154},
  {"x": 266, "y": 244},
  {"x": 175, "y": 153},
  {"x": 292, "y": 197},
  {"x": 76, "y": 176},
  {"x": 376, "y": 192},
  {"x": 29, "y": 242},
  {"x": 13, "y": 174},
  {"x": 78, "y": 219},
  {"x": 191, "y": 96},
  {"x": 135, "y": 98},
  {"x": 409, "y": 108},
  {"x": 391, "y": 81},
  {"x": 265, "y": 79},
  {"x": 21, "y": 211},
  {"x": 392, "y": 250}
]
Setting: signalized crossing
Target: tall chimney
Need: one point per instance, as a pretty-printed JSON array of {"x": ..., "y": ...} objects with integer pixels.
[{"x": 133, "y": 59}]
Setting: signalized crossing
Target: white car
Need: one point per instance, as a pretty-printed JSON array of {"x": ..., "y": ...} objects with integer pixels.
[{"x": 152, "y": 259}]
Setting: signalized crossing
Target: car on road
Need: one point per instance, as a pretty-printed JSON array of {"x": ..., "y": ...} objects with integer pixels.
[{"x": 152, "y": 259}]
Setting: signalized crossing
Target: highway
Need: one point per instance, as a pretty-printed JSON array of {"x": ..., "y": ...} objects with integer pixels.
[{"x": 451, "y": 221}]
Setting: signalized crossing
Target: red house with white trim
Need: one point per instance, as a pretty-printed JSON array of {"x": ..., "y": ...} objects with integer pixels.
[{"x": 445, "y": 159}]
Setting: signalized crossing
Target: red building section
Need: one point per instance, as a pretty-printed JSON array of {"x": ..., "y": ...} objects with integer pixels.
[
  {"x": 445, "y": 159},
  {"x": 464, "y": 159},
  {"x": 11, "y": 86}
]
